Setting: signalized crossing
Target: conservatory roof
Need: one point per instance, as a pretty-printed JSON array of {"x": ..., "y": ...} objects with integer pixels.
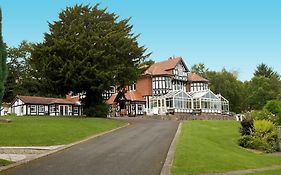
[
  {"x": 175, "y": 93},
  {"x": 203, "y": 94},
  {"x": 222, "y": 98}
]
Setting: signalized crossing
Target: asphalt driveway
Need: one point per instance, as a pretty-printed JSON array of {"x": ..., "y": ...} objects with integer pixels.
[{"x": 139, "y": 149}]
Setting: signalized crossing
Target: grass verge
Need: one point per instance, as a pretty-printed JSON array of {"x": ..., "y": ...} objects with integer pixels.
[
  {"x": 211, "y": 146},
  {"x": 4, "y": 162},
  {"x": 44, "y": 131}
]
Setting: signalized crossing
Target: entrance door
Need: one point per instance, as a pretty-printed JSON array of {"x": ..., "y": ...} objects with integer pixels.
[{"x": 61, "y": 110}]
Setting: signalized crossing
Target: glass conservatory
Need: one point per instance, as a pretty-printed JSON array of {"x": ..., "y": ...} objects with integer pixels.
[
  {"x": 206, "y": 101},
  {"x": 175, "y": 101},
  {"x": 224, "y": 104}
]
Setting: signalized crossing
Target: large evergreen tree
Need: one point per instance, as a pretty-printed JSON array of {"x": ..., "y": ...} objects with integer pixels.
[
  {"x": 265, "y": 71},
  {"x": 87, "y": 50},
  {"x": 3, "y": 56}
]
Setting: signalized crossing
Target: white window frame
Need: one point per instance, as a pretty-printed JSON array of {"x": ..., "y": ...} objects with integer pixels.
[
  {"x": 41, "y": 108},
  {"x": 33, "y": 108},
  {"x": 75, "y": 109}
]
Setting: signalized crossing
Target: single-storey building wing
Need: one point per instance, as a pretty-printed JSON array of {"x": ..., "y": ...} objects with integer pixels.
[
  {"x": 31, "y": 105},
  {"x": 129, "y": 103}
]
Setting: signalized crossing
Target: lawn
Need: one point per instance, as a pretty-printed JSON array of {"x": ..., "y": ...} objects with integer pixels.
[
  {"x": 4, "y": 162},
  {"x": 211, "y": 146},
  {"x": 40, "y": 131}
]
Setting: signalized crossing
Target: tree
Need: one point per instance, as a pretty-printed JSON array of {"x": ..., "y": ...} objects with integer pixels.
[
  {"x": 200, "y": 69},
  {"x": 20, "y": 81},
  {"x": 87, "y": 50},
  {"x": 3, "y": 57},
  {"x": 260, "y": 90},
  {"x": 227, "y": 84},
  {"x": 265, "y": 71}
]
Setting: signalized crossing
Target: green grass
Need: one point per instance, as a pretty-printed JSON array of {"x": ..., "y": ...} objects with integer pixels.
[
  {"x": 41, "y": 131},
  {"x": 211, "y": 146},
  {"x": 4, "y": 162}
]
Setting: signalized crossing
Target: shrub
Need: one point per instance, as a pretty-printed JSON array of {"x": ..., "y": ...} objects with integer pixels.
[
  {"x": 263, "y": 128},
  {"x": 262, "y": 115},
  {"x": 263, "y": 136},
  {"x": 245, "y": 141},
  {"x": 274, "y": 107},
  {"x": 100, "y": 110},
  {"x": 246, "y": 125}
]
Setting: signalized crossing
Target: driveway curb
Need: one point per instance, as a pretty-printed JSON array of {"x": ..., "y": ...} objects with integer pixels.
[
  {"x": 60, "y": 148},
  {"x": 166, "y": 169}
]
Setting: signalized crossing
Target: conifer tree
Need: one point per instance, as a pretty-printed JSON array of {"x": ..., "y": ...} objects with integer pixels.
[
  {"x": 3, "y": 57},
  {"x": 88, "y": 50}
]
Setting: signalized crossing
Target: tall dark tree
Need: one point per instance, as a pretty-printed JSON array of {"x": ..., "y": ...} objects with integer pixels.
[
  {"x": 265, "y": 71},
  {"x": 3, "y": 57},
  {"x": 88, "y": 50}
]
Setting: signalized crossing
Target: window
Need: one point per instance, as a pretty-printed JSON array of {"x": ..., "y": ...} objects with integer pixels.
[
  {"x": 75, "y": 109},
  {"x": 22, "y": 109},
  {"x": 41, "y": 108},
  {"x": 161, "y": 85},
  {"x": 132, "y": 87},
  {"x": 196, "y": 104},
  {"x": 52, "y": 108},
  {"x": 32, "y": 108},
  {"x": 139, "y": 107},
  {"x": 66, "y": 110}
]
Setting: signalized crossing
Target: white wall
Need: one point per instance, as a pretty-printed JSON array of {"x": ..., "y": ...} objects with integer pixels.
[{"x": 16, "y": 107}]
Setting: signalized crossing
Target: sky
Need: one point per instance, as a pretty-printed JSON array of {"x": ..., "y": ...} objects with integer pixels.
[{"x": 233, "y": 34}]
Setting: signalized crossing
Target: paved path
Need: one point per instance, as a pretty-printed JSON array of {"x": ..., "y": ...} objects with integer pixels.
[
  {"x": 246, "y": 171},
  {"x": 139, "y": 149}
]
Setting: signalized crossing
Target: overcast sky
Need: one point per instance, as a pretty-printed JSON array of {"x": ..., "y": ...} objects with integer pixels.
[{"x": 235, "y": 34}]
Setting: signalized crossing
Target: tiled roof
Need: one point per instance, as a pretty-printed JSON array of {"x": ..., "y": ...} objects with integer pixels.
[
  {"x": 161, "y": 68},
  {"x": 133, "y": 96},
  {"x": 193, "y": 77},
  {"x": 111, "y": 99},
  {"x": 44, "y": 100},
  {"x": 129, "y": 95}
]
